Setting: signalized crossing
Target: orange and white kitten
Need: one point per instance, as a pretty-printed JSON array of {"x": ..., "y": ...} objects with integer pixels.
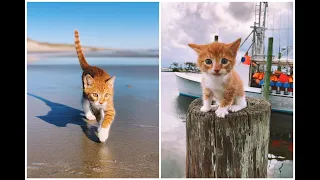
[
  {"x": 97, "y": 93},
  {"x": 220, "y": 82}
]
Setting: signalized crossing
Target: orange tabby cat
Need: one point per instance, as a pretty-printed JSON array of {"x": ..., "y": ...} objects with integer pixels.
[
  {"x": 220, "y": 82},
  {"x": 97, "y": 93}
]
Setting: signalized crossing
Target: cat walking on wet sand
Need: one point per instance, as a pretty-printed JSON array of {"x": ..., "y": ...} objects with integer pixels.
[
  {"x": 220, "y": 82},
  {"x": 98, "y": 91}
]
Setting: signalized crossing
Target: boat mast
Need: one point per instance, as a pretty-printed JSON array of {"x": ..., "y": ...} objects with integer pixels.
[
  {"x": 259, "y": 31},
  {"x": 257, "y": 46}
]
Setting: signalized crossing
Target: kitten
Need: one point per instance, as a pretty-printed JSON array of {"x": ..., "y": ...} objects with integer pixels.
[
  {"x": 97, "y": 93},
  {"x": 220, "y": 82}
]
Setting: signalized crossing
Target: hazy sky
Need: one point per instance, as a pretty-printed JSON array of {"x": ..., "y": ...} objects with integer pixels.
[
  {"x": 114, "y": 25},
  {"x": 183, "y": 23}
]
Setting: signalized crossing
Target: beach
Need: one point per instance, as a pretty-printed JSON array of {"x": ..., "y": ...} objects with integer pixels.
[{"x": 61, "y": 143}]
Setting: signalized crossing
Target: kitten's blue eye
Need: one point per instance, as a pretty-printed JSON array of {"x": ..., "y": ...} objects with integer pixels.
[
  {"x": 208, "y": 61},
  {"x": 224, "y": 61}
]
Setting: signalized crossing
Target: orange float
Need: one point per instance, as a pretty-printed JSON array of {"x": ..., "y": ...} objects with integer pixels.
[
  {"x": 283, "y": 78},
  {"x": 261, "y": 76},
  {"x": 256, "y": 75},
  {"x": 291, "y": 79},
  {"x": 247, "y": 59},
  {"x": 274, "y": 78}
]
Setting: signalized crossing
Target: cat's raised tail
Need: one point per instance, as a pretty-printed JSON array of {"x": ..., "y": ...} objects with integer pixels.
[{"x": 83, "y": 63}]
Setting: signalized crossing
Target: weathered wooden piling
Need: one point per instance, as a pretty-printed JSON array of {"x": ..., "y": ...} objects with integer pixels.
[
  {"x": 268, "y": 70},
  {"x": 232, "y": 147}
]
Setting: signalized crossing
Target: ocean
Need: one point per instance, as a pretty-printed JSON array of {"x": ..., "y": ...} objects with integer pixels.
[
  {"x": 61, "y": 144},
  {"x": 173, "y": 135}
]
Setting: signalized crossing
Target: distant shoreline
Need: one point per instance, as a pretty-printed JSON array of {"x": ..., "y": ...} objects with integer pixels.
[
  {"x": 42, "y": 50},
  {"x": 112, "y": 55},
  {"x": 33, "y": 56}
]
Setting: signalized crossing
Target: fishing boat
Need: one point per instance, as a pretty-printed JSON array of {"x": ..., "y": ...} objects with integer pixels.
[{"x": 252, "y": 70}]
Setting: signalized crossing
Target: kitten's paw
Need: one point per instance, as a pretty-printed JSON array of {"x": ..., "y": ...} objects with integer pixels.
[
  {"x": 221, "y": 112},
  {"x": 205, "y": 108},
  {"x": 91, "y": 117},
  {"x": 103, "y": 134},
  {"x": 235, "y": 108}
]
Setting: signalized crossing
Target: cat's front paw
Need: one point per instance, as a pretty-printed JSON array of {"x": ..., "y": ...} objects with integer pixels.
[
  {"x": 91, "y": 117},
  {"x": 222, "y": 112},
  {"x": 103, "y": 134},
  {"x": 205, "y": 108}
]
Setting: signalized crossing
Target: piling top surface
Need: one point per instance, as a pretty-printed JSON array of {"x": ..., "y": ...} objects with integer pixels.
[{"x": 255, "y": 106}]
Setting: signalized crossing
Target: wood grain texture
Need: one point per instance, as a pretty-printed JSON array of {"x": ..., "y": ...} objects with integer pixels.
[{"x": 231, "y": 147}]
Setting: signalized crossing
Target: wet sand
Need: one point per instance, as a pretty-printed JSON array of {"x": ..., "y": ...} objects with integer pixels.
[{"x": 61, "y": 144}]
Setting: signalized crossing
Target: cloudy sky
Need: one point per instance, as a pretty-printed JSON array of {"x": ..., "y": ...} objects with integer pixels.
[{"x": 188, "y": 22}]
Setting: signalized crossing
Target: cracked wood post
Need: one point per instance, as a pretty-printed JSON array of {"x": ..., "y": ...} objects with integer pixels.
[{"x": 231, "y": 147}]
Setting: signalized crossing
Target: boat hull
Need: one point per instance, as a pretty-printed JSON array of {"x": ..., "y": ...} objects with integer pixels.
[{"x": 192, "y": 88}]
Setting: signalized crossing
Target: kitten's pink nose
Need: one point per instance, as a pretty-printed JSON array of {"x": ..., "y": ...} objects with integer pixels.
[
  {"x": 101, "y": 102},
  {"x": 216, "y": 70}
]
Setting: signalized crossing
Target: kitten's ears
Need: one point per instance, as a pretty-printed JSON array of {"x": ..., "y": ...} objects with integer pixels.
[
  {"x": 198, "y": 48},
  {"x": 110, "y": 81},
  {"x": 88, "y": 81},
  {"x": 234, "y": 46}
]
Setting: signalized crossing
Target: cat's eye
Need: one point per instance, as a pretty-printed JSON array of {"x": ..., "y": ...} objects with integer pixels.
[
  {"x": 94, "y": 94},
  {"x": 224, "y": 61},
  {"x": 107, "y": 95},
  {"x": 208, "y": 61}
]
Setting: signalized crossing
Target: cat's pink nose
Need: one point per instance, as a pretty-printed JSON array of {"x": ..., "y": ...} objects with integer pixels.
[
  {"x": 101, "y": 102},
  {"x": 216, "y": 70}
]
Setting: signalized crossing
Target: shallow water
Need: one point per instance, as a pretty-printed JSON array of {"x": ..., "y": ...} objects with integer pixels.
[
  {"x": 60, "y": 143},
  {"x": 52, "y": 59},
  {"x": 173, "y": 136}
]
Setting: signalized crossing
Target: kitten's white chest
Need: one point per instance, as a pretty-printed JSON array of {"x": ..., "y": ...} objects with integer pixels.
[{"x": 215, "y": 84}]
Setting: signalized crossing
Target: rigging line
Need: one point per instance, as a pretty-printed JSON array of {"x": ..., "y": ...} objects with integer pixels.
[
  {"x": 245, "y": 39},
  {"x": 246, "y": 21}
]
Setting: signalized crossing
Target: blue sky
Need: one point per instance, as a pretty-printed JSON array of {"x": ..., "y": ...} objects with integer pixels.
[{"x": 103, "y": 24}]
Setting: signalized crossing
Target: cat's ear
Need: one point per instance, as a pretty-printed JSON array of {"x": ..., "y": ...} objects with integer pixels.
[
  {"x": 234, "y": 46},
  {"x": 110, "y": 81},
  {"x": 88, "y": 81},
  {"x": 198, "y": 48}
]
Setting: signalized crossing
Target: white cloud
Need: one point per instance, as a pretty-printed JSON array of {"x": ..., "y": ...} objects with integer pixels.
[{"x": 189, "y": 22}]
